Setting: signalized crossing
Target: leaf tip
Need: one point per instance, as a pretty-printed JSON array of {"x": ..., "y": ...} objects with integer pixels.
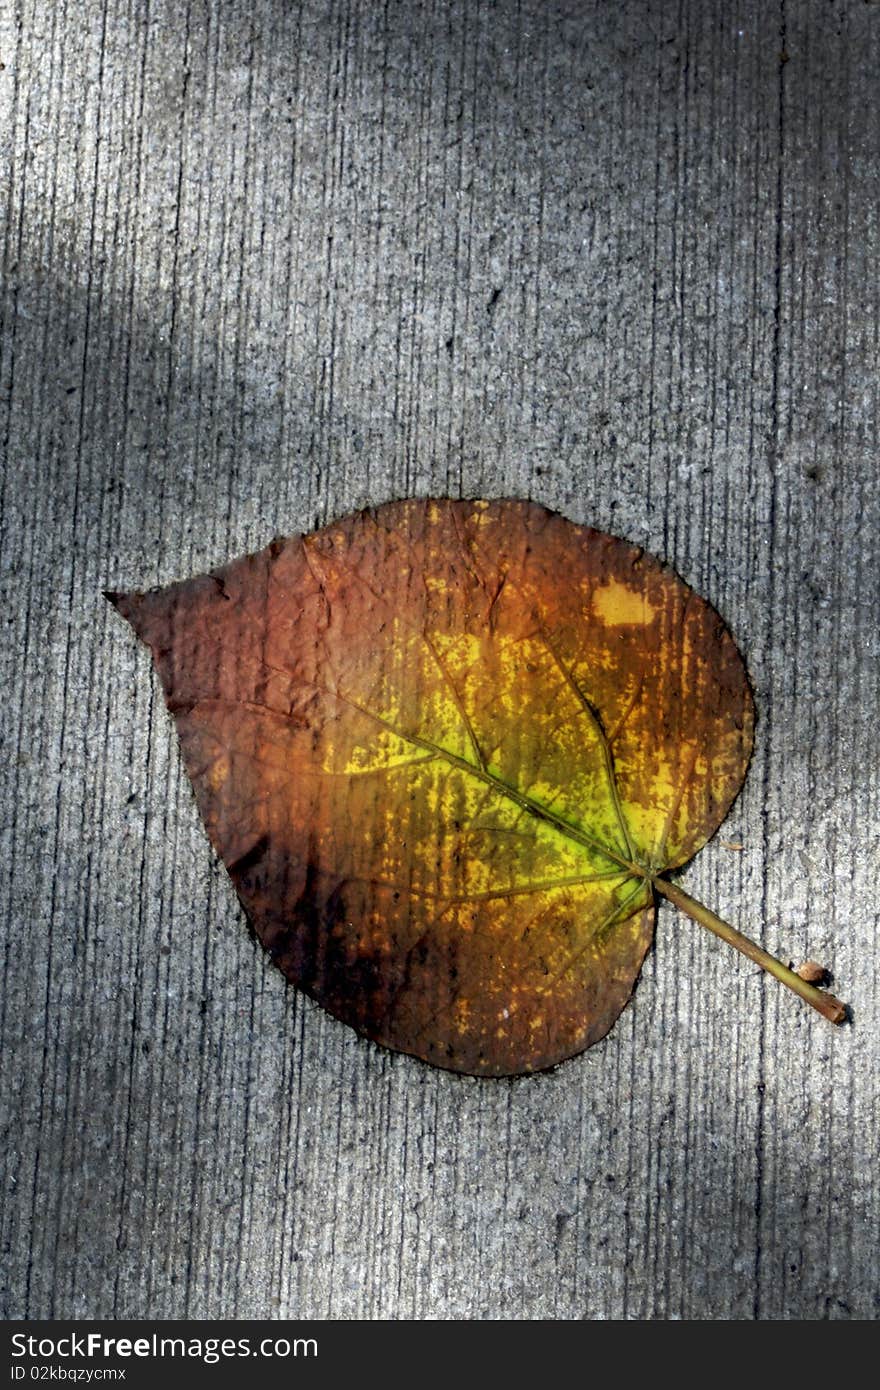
[{"x": 123, "y": 603}]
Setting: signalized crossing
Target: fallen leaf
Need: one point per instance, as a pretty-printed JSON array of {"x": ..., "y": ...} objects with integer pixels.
[{"x": 446, "y": 750}]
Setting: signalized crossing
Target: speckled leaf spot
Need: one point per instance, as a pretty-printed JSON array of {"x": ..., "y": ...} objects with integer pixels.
[{"x": 447, "y": 751}]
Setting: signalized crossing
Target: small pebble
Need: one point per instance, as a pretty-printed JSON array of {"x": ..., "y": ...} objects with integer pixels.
[{"x": 812, "y": 972}]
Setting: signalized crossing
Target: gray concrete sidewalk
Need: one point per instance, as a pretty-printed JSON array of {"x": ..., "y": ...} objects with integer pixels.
[{"x": 266, "y": 262}]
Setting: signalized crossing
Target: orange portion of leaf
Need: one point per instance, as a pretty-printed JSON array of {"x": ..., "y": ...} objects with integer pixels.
[{"x": 439, "y": 747}]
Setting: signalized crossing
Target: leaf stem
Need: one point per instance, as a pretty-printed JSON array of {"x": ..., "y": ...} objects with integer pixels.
[{"x": 826, "y": 1004}]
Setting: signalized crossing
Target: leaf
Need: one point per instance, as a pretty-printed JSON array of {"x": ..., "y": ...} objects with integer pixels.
[{"x": 446, "y": 750}]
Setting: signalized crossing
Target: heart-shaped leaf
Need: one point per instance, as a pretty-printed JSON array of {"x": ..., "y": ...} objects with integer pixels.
[{"x": 446, "y": 751}]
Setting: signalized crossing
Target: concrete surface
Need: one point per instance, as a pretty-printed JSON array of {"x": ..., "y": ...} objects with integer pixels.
[{"x": 266, "y": 262}]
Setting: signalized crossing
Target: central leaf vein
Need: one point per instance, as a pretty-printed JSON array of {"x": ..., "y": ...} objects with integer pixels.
[{"x": 498, "y": 785}]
